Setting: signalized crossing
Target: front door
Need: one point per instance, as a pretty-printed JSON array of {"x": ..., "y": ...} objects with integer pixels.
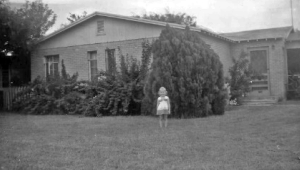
[{"x": 259, "y": 65}]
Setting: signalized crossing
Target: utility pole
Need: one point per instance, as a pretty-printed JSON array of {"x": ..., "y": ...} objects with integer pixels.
[{"x": 292, "y": 13}]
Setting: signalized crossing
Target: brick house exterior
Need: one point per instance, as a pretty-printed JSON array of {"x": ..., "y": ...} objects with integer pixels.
[
  {"x": 73, "y": 43},
  {"x": 276, "y": 42},
  {"x": 89, "y": 38}
]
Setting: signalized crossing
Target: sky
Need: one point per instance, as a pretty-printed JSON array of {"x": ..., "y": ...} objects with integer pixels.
[{"x": 218, "y": 15}]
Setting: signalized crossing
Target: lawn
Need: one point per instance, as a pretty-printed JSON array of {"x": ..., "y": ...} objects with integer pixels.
[{"x": 245, "y": 138}]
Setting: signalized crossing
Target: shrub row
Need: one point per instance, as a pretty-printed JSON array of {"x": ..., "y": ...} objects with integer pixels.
[{"x": 118, "y": 92}]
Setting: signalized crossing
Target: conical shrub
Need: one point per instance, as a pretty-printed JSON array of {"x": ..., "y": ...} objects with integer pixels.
[{"x": 190, "y": 71}]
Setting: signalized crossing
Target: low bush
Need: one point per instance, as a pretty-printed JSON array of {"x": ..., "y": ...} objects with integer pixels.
[
  {"x": 118, "y": 92},
  {"x": 55, "y": 95},
  {"x": 121, "y": 92},
  {"x": 240, "y": 77}
]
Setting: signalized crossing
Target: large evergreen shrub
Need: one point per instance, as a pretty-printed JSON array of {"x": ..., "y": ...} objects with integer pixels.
[{"x": 191, "y": 72}]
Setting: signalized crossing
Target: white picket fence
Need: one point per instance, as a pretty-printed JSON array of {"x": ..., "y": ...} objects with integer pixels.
[{"x": 9, "y": 94}]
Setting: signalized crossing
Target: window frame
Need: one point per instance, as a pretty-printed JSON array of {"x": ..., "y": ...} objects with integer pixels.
[
  {"x": 107, "y": 68},
  {"x": 92, "y": 58},
  {"x": 48, "y": 65}
]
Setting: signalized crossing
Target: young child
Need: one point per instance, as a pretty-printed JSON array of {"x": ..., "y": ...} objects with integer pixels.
[{"x": 163, "y": 106}]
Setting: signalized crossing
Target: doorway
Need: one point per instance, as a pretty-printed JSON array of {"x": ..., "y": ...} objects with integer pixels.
[{"x": 259, "y": 64}]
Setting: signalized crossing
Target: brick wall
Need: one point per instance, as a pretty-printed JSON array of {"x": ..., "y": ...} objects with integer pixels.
[
  {"x": 277, "y": 62},
  {"x": 76, "y": 58},
  {"x": 222, "y": 48}
]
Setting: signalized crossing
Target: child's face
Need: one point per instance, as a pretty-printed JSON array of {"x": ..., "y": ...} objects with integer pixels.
[{"x": 162, "y": 93}]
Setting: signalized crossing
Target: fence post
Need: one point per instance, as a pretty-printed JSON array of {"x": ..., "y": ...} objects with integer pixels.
[{"x": 9, "y": 94}]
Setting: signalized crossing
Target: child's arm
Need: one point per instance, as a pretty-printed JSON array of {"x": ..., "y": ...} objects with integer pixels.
[
  {"x": 157, "y": 103},
  {"x": 169, "y": 105}
]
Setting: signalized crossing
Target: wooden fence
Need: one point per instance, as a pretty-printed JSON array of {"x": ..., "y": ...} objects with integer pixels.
[{"x": 9, "y": 94}]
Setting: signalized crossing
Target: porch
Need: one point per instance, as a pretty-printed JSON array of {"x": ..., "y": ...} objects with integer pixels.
[{"x": 293, "y": 66}]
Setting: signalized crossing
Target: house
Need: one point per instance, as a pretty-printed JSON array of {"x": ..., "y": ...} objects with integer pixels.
[
  {"x": 91, "y": 43},
  {"x": 275, "y": 53}
]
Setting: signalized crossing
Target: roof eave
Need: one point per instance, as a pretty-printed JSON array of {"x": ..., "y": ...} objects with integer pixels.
[
  {"x": 289, "y": 32},
  {"x": 258, "y": 39}
]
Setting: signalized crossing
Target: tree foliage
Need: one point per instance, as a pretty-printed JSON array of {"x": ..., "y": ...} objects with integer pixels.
[
  {"x": 22, "y": 27},
  {"x": 73, "y": 17},
  {"x": 37, "y": 18},
  {"x": 121, "y": 92},
  {"x": 177, "y": 18},
  {"x": 240, "y": 76},
  {"x": 19, "y": 31},
  {"x": 5, "y": 13},
  {"x": 190, "y": 71}
]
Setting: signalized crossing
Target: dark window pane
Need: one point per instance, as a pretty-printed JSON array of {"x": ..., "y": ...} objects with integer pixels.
[
  {"x": 47, "y": 69},
  {"x": 110, "y": 60},
  {"x": 55, "y": 59},
  {"x": 93, "y": 63},
  {"x": 293, "y": 60},
  {"x": 56, "y": 69},
  {"x": 259, "y": 61}
]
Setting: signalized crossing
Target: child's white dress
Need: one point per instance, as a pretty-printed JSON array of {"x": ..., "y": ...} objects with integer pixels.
[{"x": 163, "y": 107}]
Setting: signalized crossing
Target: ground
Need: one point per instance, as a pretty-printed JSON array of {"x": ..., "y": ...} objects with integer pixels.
[{"x": 245, "y": 138}]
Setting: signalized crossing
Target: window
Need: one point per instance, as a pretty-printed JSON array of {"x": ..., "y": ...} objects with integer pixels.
[
  {"x": 110, "y": 60},
  {"x": 100, "y": 27},
  {"x": 293, "y": 61},
  {"x": 93, "y": 70},
  {"x": 52, "y": 65}
]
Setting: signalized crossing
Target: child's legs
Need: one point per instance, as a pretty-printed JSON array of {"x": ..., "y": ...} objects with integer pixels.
[
  {"x": 165, "y": 117},
  {"x": 161, "y": 117}
]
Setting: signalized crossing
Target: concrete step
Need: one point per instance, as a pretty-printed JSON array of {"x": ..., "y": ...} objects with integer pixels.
[
  {"x": 258, "y": 104},
  {"x": 259, "y": 101},
  {"x": 260, "y": 98}
]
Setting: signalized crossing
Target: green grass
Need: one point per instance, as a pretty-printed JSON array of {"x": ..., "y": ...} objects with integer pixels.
[{"x": 250, "y": 138}]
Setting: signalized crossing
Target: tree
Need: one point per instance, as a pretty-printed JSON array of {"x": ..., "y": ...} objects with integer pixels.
[
  {"x": 179, "y": 18},
  {"x": 20, "y": 29},
  {"x": 5, "y": 29},
  {"x": 73, "y": 17},
  {"x": 31, "y": 22},
  {"x": 190, "y": 71},
  {"x": 240, "y": 76}
]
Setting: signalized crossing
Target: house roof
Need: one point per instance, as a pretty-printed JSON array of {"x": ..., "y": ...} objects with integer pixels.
[
  {"x": 146, "y": 21},
  {"x": 270, "y": 33},
  {"x": 294, "y": 36}
]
